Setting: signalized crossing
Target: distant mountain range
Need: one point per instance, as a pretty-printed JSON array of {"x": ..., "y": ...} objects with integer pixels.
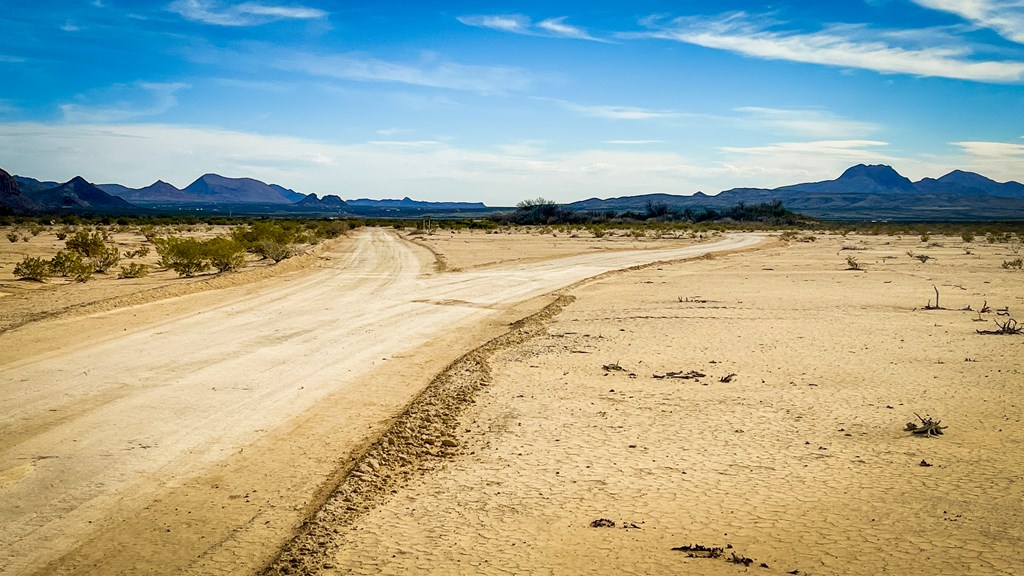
[
  {"x": 861, "y": 192},
  {"x": 406, "y": 203}
]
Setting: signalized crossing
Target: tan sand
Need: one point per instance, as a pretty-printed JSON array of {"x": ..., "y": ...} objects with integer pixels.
[
  {"x": 799, "y": 462},
  {"x": 194, "y": 434}
]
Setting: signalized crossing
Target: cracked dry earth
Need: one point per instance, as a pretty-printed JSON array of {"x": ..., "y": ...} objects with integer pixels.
[
  {"x": 195, "y": 434},
  {"x": 799, "y": 462}
]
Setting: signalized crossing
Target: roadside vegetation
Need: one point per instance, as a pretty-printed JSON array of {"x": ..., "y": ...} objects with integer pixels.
[{"x": 187, "y": 247}]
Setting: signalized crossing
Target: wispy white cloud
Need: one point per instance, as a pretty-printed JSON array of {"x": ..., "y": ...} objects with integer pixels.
[
  {"x": 615, "y": 112},
  {"x": 521, "y": 24},
  {"x": 632, "y": 142},
  {"x": 8, "y": 59},
  {"x": 242, "y": 14},
  {"x": 429, "y": 71},
  {"x": 123, "y": 102},
  {"x": 515, "y": 23},
  {"x": 1006, "y": 17},
  {"x": 851, "y": 46},
  {"x": 997, "y": 160},
  {"x": 807, "y": 122},
  {"x": 69, "y": 26}
]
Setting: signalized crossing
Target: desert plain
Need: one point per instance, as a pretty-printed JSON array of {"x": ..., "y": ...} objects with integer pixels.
[{"x": 520, "y": 402}]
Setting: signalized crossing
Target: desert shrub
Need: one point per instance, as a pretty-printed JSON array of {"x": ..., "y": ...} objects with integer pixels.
[
  {"x": 106, "y": 259},
  {"x": 137, "y": 253},
  {"x": 967, "y": 236},
  {"x": 186, "y": 256},
  {"x": 1013, "y": 264},
  {"x": 851, "y": 263},
  {"x": 67, "y": 263},
  {"x": 12, "y": 236},
  {"x": 224, "y": 253},
  {"x": 267, "y": 239},
  {"x": 272, "y": 249},
  {"x": 32, "y": 269},
  {"x": 133, "y": 270},
  {"x": 925, "y": 237},
  {"x": 88, "y": 243},
  {"x": 35, "y": 229}
]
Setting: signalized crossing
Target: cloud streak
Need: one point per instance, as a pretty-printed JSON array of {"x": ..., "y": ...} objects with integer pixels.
[
  {"x": 521, "y": 24},
  {"x": 1005, "y": 17},
  {"x": 124, "y": 102},
  {"x": 429, "y": 72},
  {"x": 613, "y": 112},
  {"x": 243, "y": 14},
  {"x": 848, "y": 46},
  {"x": 807, "y": 123}
]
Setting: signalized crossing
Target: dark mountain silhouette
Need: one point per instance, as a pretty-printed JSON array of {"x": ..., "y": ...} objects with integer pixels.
[
  {"x": 12, "y": 201},
  {"x": 216, "y": 188},
  {"x": 861, "y": 192},
  {"x": 970, "y": 184},
  {"x": 29, "y": 185},
  {"x": 159, "y": 192},
  {"x": 329, "y": 202},
  {"x": 873, "y": 179},
  {"x": 207, "y": 189},
  {"x": 410, "y": 203},
  {"x": 77, "y": 194}
]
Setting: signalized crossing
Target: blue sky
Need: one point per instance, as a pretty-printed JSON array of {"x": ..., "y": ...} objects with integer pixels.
[{"x": 500, "y": 101}]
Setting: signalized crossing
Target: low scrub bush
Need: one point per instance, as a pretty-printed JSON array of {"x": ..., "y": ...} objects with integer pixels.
[
  {"x": 133, "y": 270},
  {"x": 1013, "y": 264},
  {"x": 88, "y": 243},
  {"x": 32, "y": 269},
  {"x": 224, "y": 253},
  {"x": 71, "y": 264},
  {"x": 188, "y": 256},
  {"x": 272, "y": 249},
  {"x": 106, "y": 259},
  {"x": 137, "y": 253}
]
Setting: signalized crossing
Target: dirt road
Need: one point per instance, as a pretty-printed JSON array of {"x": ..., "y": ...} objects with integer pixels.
[{"x": 191, "y": 436}]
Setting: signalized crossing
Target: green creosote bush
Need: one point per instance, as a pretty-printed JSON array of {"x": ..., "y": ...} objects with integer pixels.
[
  {"x": 88, "y": 243},
  {"x": 267, "y": 239},
  {"x": 106, "y": 259},
  {"x": 133, "y": 270},
  {"x": 967, "y": 236},
  {"x": 272, "y": 249},
  {"x": 67, "y": 263},
  {"x": 32, "y": 269},
  {"x": 188, "y": 256},
  {"x": 137, "y": 253},
  {"x": 1017, "y": 264},
  {"x": 13, "y": 236},
  {"x": 224, "y": 253}
]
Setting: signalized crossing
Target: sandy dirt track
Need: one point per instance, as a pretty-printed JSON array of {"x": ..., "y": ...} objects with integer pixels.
[
  {"x": 189, "y": 438},
  {"x": 799, "y": 461}
]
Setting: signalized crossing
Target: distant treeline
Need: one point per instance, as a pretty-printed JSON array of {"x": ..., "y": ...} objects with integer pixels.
[{"x": 545, "y": 212}]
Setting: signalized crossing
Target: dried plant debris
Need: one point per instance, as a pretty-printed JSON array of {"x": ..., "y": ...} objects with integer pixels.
[
  {"x": 613, "y": 367},
  {"x": 700, "y": 551},
  {"x": 727, "y": 378},
  {"x": 602, "y": 523},
  {"x": 689, "y": 375},
  {"x": 1009, "y": 327},
  {"x": 740, "y": 559},
  {"x": 928, "y": 427}
]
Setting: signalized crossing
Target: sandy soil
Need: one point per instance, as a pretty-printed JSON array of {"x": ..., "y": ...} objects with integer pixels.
[
  {"x": 799, "y": 461},
  {"x": 194, "y": 434}
]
